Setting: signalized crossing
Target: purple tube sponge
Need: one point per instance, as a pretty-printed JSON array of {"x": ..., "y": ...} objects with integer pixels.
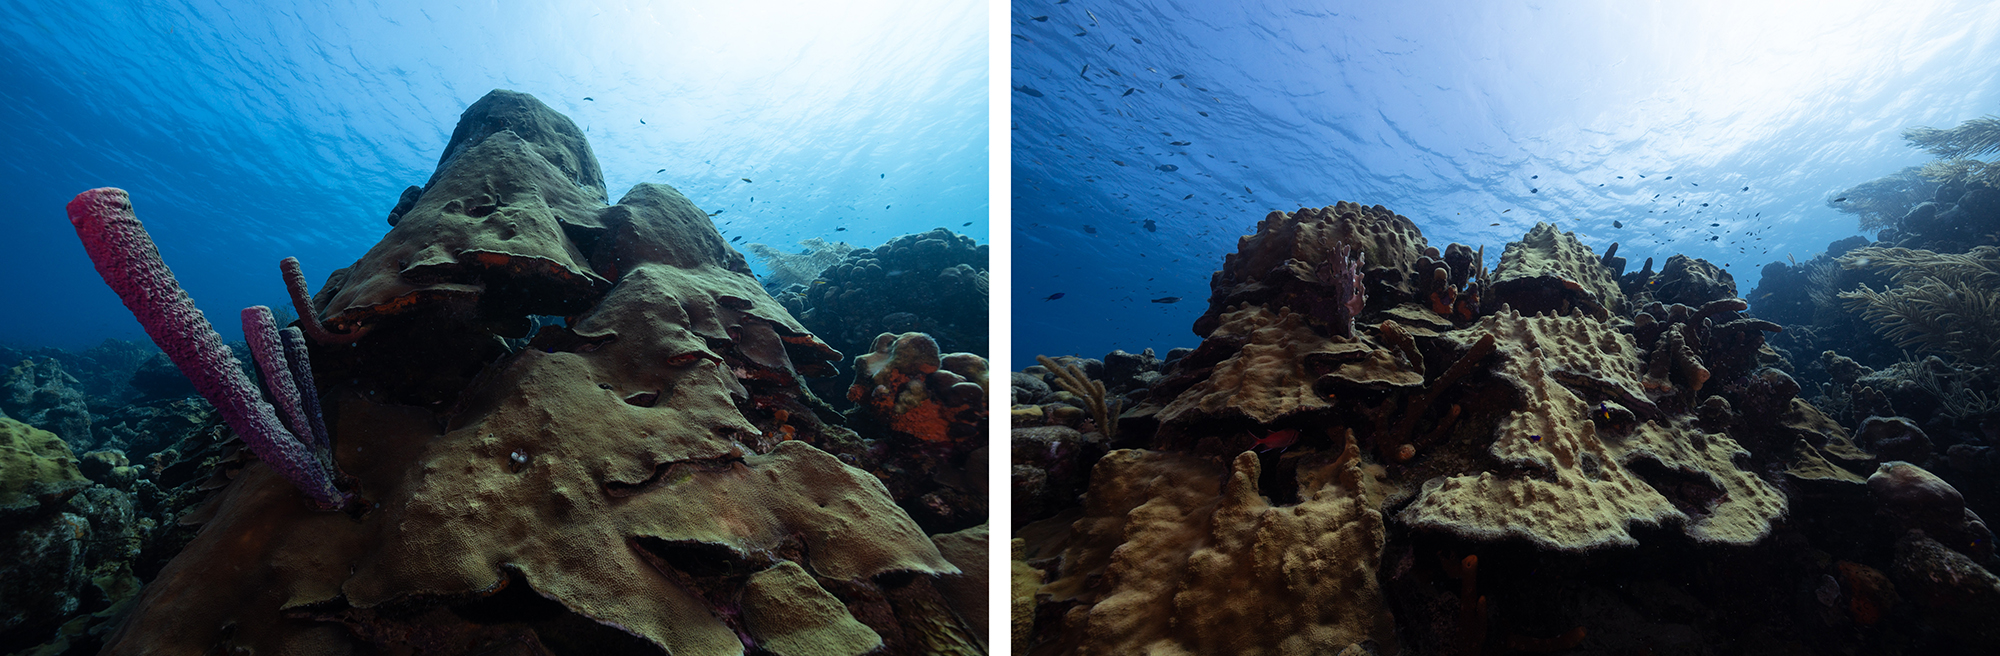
[
  {"x": 274, "y": 363},
  {"x": 129, "y": 262},
  {"x": 302, "y": 374}
]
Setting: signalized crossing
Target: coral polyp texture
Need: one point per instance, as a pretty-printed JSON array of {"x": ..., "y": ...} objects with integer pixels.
[
  {"x": 1443, "y": 459},
  {"x": 640, "y": 477}
]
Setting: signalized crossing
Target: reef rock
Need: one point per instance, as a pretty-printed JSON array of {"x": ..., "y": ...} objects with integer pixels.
[
  {"x": 41, "y": 394},
  {"x": 622, "y": 484},
  {"x": 1303, "y": 260},
  {"x": 1692, "y": 282}
]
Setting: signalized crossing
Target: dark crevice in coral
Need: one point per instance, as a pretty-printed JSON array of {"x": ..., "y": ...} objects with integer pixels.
[
  {"x": 1692, "y": 493},
  {"x": 667, "y": 471}
]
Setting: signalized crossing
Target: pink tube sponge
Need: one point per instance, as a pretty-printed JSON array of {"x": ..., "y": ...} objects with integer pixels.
[{"x": 129, "y": 262}]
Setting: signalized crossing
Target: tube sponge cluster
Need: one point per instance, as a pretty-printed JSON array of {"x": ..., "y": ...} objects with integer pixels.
[{"x": 129, "y": 262}]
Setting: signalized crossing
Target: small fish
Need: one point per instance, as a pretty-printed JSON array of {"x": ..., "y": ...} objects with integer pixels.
[
  {"x": 1746, "y": 188},
  {"x": 1670, "y": 177},
  {"x": 1168, "y": 168},
  {"x": 1534, "y": 191},
  {"x": 1093, "y": 17},
  {"x": 840, "y": 230},
  {"x": 1695, "y": 184},
  {"x": 1053, "y": 296},
  {"x": 642, "y": 121},
  {"x": 1180, "y": 143},
  {"x": 967, "y": 223},
  {"x": 1621, "y": 177},
  {"x": 1187, "y": 197},
  {"x": 884, "y": 175},
  {"x": 1713, "y": 238},
  {"x": 717, "y": 212},
  {"x": 590, "y": 98},
  {"x": 1489, "y": 225},
  {"x": 736, "y": 239},
  {"x": 1086, "y": 69},
  {"x": 746, "y": 180},
  {"x": 1177, "y": 77},
  {"x": 1202, "y": 113},
  {"x": 1617, "y": 224},
  {"x": 1246, "y": 189},
  {"x": 1534, "y": 177},
  {"x": 1279, "y": 440},
  {"x": 1150, "y": 226},
  {"x": 1089, "y": 229},
  {"x": 1028, "y": 90},
  {"x": 1534, "y": 438},
  {"x": 1136, "y": 40},
  {"x": 661, "y": 171},
  {"x": 1704, "y": 204},
  {"x": 1128, "y": 91},
  {"x": 1040, "y": 19},
  {"x": 1714, "y": 225},
  {"x": 1840, "y": 199},
  {"x": 1169, "y": 300},
  {"x": 1510, "y": 209},
  {"x": 1118, "y": 162}
]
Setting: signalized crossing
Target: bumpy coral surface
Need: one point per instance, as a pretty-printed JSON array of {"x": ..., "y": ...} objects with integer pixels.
[
  {"x": 622, "y": 484},
  {"x": 1550, "y": 270},
  {"x": 1577, "y": 489},
  {"x": 1176, "y": 554}
]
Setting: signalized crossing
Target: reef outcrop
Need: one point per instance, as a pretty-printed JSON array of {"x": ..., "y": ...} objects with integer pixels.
[
  {"x": 639, "y": 477},
  {"x": 1495, "y": 448}
]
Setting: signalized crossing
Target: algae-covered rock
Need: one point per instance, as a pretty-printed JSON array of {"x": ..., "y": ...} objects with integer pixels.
[{"x": 38, "y": 472}]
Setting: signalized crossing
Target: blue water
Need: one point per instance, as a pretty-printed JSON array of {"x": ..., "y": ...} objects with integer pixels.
[
  {"x": 1458, "y": 115},
  {"x": 248, "y": 132}
]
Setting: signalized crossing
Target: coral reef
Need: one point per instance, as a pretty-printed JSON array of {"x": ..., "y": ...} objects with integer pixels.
[
  {"x": 1557, "y": 455},
  {"x": 623, "y": 482},
  {"x": 1949, "y": 303},
  {"x": 933, "y": 407},
  {"x": 41, "y": 394},
  {"x": 932, "y": 282}
]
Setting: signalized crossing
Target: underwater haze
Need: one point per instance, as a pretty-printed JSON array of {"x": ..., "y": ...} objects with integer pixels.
[
  {"x": 1149, "y": 136},
  {"x": 247, "y": 132}
]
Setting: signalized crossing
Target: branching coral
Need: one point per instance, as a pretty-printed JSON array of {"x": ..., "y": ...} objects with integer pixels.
[
  {"x": 1945, "y": 302},
  {"x": 1072, "y": 380},
  {"x": 800, "y": 268}
]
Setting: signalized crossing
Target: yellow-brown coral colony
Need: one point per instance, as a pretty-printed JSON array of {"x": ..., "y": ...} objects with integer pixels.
[{"x": 1518, "y": 418}]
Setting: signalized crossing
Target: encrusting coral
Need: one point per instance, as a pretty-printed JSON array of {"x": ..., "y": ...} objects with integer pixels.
[{"x": 621, "y": 484}]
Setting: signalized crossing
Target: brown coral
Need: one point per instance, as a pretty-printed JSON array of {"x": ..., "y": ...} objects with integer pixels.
[{"x": 615, "y": 486}]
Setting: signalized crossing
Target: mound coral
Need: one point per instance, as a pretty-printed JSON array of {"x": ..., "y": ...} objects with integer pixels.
[{"x": 618, "y": 485}]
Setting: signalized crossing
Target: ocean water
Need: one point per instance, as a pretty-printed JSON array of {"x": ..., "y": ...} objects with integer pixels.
[
  {"x": 1476, "y": 120},
  {"x": 252, "y": 131}
]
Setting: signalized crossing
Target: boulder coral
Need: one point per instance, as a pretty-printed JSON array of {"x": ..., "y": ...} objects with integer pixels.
[{"x": 619, "y": 483}]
